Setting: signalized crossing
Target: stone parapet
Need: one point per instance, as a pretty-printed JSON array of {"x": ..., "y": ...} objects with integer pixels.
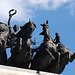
[{"x": 6, "y": 70}]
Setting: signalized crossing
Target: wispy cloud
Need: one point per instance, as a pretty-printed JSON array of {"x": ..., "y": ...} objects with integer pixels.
[
  {"x": 72, "y": 8},
  {"x": 23, "y": 12},
  {"x": 48, "y": 4},
  {"x": 26, "y": 8}
]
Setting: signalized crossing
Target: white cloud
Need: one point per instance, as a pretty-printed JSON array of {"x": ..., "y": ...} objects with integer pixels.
[
  {"x": 23, "y": 12},
  {"x": 26, "y": 8},
  {"x": 72, "y": 8},
  {"x": 48, "y": 4}
]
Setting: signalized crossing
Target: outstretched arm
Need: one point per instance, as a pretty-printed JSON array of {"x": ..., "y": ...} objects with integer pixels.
[{"x": 10, "y": 16}]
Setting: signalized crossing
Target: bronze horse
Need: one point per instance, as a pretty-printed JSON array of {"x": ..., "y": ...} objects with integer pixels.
[
  {"x": 22, "y": 55},
  {"x": 66, "y": 57},
  {"x": 42, "y": 60},
  {"x": 4, "y": 32},
  {"x": 44, "y": 56}
]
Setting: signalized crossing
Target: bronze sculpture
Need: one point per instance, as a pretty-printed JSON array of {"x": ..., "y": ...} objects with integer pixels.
[
  {"x": 55, "y": 55},
  {"x": 57, "y": 38},
  {"x": 60, "y": 52},
  {"x": 21, "y": 56},
  {"x": 11, "y": 42},
  {"x": 47, "y": 51}
]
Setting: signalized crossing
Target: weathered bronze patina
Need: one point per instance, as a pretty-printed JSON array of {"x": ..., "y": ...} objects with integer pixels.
[{"x": 51, "y": 56}]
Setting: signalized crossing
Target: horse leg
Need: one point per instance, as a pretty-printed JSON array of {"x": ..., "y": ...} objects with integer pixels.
[
  {"x": 52, "y": 57},
  {"x": 3, "y": 55},
  {"x": 72, "y": 57},
  {"x": 3, "y": 58},
  {"x": 65, "y": 56},
  {"x": 57, "y": 58}
]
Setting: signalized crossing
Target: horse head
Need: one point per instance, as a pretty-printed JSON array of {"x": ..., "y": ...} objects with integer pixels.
[
  {"x": 27, "y": 30},
  {"x": 46, "y": 32}
]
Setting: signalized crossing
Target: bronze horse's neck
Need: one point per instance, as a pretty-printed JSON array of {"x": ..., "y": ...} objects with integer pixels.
[{"x": 47, "y": 36}]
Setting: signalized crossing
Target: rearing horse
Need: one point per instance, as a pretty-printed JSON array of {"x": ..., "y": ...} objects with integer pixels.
[
  {"x": 4, "y": 32},
  {"x": 21, "y": 56},
  {"x": 44, "y": 56}
]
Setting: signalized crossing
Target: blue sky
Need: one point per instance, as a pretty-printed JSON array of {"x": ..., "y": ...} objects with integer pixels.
[{"x": 59, "y": 13}]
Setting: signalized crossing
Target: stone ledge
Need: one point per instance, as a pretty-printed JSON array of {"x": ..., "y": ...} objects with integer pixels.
[{"x": 6, "y": 70}]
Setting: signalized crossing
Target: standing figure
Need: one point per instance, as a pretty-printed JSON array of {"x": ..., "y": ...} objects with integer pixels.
[
  {"x": 14, "y": 38},
  {"x": 12, "y": 35},
  {"x": 16, "y": 28},
  {"x": 57, "y": 39}
]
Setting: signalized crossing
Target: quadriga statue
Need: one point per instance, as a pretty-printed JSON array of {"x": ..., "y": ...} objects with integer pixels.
[{"x": 51, "y": 56}]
